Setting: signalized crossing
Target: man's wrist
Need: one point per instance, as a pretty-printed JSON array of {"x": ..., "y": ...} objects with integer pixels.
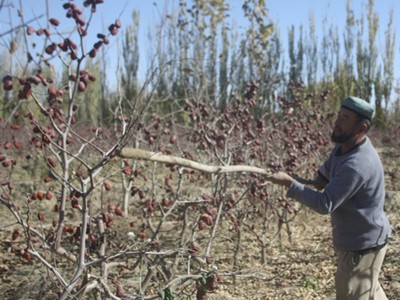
[{"x": 288, "y": 182}]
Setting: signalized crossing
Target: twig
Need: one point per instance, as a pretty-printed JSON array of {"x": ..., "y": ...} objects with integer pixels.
[{"x": 19, "y": 26}]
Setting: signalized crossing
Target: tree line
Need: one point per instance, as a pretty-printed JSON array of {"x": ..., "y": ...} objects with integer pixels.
[{"x": 198, "y": 54}]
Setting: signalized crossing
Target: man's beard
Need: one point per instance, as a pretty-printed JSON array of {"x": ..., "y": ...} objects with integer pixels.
[{"x": 341, "y": 138}]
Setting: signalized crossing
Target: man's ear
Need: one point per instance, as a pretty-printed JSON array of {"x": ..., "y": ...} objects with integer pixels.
[{"x": 363, "y": 127}]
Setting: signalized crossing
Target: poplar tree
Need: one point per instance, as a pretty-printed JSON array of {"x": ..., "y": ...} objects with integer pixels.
[
  {"x": 311, "y": 53},
  {"x": 296, "y": 56},
  {"x": 130, "y": 54},
  {"x": 388, "y": 61},
  {"x": 367, "y": 55},
  {"x": 349, "y": 48}
]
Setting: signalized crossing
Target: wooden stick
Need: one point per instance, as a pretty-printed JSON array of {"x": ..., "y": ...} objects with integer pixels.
[{"x": 133, "y": 153}]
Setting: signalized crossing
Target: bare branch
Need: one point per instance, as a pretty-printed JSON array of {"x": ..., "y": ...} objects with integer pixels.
[
  {"x": 132, "y": 153},
  {"x": 19, "y": 26}
]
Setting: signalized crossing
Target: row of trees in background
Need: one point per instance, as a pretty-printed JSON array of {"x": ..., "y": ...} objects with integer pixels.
[{"x": 199, "y": 50}]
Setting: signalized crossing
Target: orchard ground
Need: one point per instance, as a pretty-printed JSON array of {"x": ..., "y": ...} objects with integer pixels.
[{"x": 300, "y": 263}]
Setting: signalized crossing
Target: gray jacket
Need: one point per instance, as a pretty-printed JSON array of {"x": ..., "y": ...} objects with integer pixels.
[{"x": 354, "y": 196}]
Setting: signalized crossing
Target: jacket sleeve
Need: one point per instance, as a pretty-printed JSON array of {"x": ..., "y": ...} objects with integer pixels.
[{"x": 340, "y": 188}]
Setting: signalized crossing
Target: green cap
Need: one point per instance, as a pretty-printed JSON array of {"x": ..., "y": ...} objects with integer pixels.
[{"x": 359, "y": 106}]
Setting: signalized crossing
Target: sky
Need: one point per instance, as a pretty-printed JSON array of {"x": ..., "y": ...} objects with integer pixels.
[{"x": 283, "y": 12}]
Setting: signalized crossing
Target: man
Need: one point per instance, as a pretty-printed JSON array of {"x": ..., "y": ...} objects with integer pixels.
[{"x": 353, "y": 193}]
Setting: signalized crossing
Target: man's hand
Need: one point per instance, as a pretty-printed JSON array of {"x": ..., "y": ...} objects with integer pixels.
[{"x": 281, "y": 178}]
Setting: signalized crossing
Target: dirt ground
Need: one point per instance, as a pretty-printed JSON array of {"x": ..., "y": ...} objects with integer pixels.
[{"x": 300, "y": 269}]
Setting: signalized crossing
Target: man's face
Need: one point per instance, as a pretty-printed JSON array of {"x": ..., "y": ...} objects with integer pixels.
[{"x": 345, "y": 126}]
